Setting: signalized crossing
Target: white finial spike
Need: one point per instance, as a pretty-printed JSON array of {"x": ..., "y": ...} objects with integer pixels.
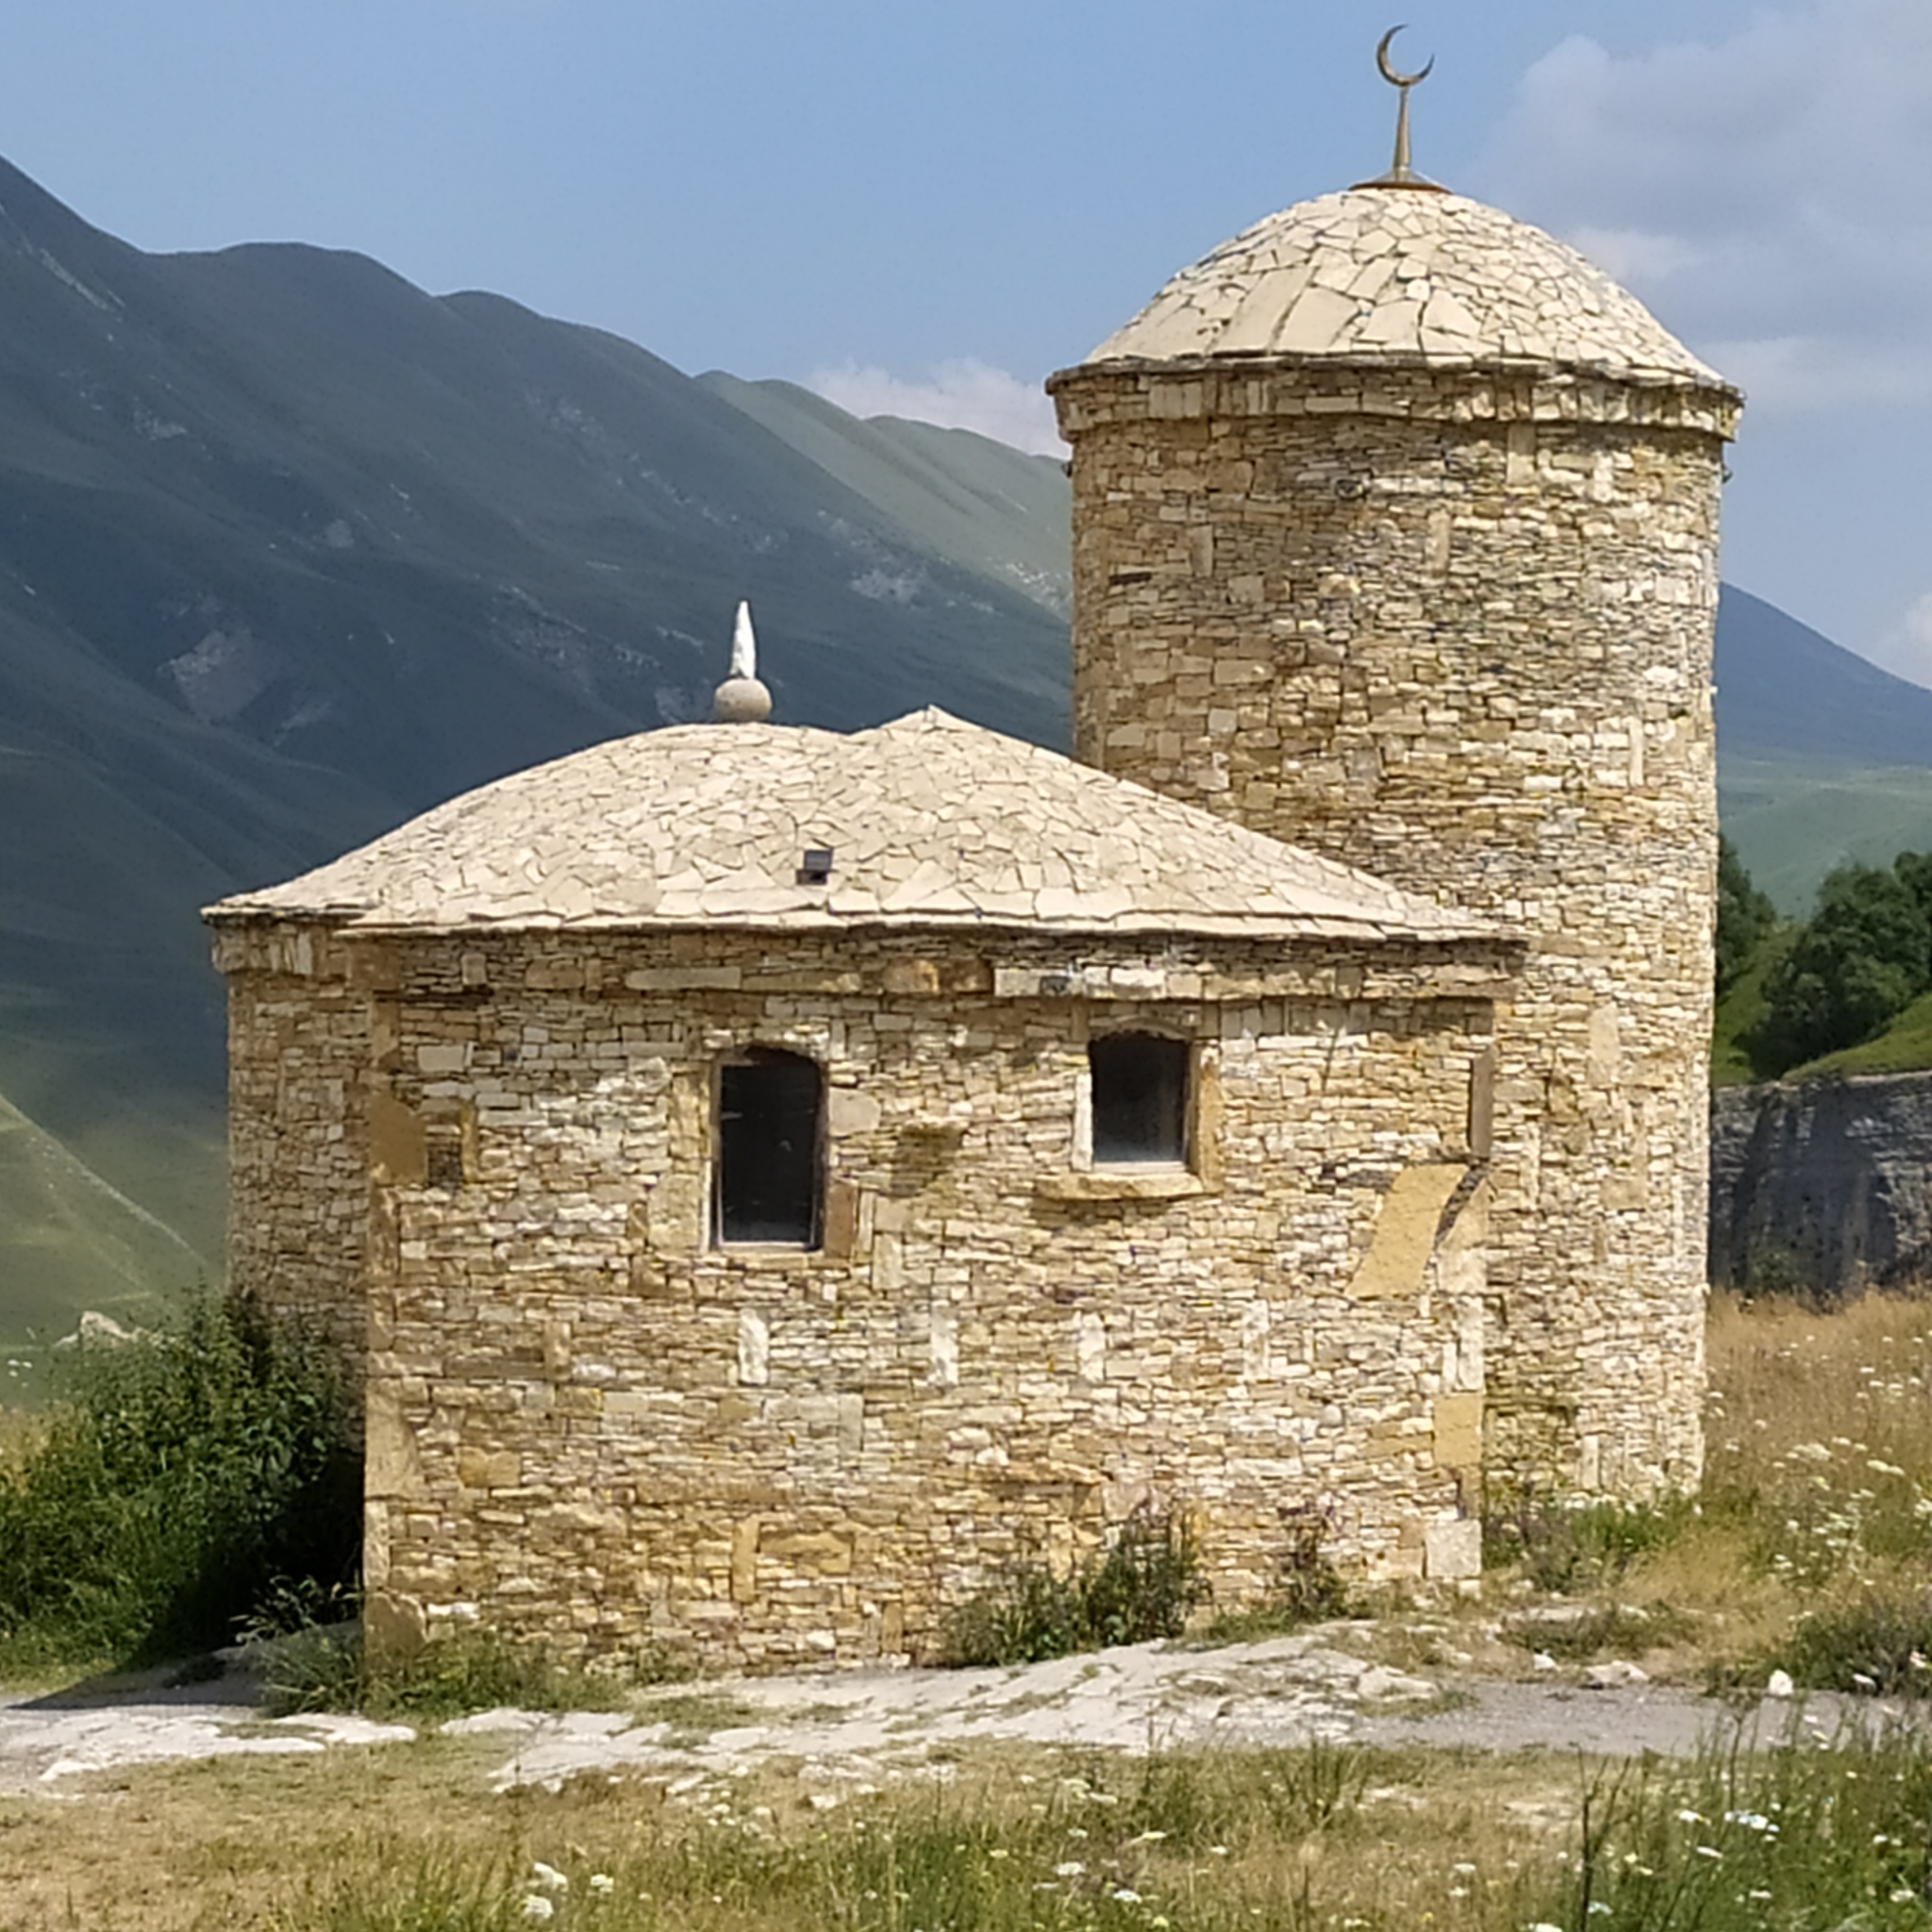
[
  {"x": 741, "y": 699},
  {"x": 744, "y": 644}
]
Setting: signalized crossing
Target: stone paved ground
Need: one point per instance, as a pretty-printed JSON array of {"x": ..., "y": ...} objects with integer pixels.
[{"x": 861, "y": 1729}]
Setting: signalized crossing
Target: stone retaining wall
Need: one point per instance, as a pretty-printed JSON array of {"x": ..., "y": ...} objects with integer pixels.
[{"x": 1823, "y": 1185}]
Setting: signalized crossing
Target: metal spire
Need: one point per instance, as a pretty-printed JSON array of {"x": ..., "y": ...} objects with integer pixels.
[{"x": 1401, "y": 174}]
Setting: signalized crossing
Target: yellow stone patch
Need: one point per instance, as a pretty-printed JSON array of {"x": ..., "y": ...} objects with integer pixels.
[
  {"x": 1405, "y": 1233},
  {"x": 1458, "y": 1426}
]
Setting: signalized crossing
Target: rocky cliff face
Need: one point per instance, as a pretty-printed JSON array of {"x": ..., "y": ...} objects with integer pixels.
[{"x": 1824, "y": 1185}]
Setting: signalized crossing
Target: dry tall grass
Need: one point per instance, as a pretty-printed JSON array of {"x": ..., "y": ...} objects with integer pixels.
[{"x": 1816, "y": 1506}]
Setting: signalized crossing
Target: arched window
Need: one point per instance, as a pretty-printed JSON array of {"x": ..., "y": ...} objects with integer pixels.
[
  {"x": 768, "y": 1162},
  {"x": 1140, "y": 1099}
]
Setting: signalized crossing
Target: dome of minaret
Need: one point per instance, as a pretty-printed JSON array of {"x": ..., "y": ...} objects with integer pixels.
[{"x": 1384, "y": 274}]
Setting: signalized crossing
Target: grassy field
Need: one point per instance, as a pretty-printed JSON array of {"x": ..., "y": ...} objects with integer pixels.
[
  {"x": 1810, "y": 1551},
  {"x": 1793, "y": 819}
]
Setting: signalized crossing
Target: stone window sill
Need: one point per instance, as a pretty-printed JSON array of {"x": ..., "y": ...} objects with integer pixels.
[
  {"x": 763, "y": 1257},
  {"x": 1123, "y": 1184}
]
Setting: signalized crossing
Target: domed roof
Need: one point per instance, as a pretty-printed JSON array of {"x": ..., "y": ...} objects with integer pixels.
[
  {"x": 929, "y": 821},
  {"x": 1383, "y": 275}
]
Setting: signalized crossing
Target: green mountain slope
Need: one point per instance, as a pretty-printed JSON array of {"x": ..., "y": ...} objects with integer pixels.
[
  {"x": 1822, "y": 757},
  {"x": 949, "y": 491},
  {"x": 290, "y": 550}
]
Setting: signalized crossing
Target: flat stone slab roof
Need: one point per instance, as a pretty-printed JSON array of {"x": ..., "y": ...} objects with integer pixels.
[
  {"x": 1384, "y": 275},
  {"x": 930, "y": 820}
]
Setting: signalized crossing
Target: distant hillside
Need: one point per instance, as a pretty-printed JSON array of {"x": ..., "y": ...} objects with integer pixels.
[
  {"x": 1822, "y": 755},
  {"x": 1786, "y": 692},
  {"x": 290, "y": 550},
  {"x": 949, "y": 491}
]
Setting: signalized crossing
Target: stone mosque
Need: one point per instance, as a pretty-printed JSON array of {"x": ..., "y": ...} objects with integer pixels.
[{"x": 766, "y": 1181}]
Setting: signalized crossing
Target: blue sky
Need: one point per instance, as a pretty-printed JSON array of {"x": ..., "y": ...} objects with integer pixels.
[{"x": 930, "y": 204}]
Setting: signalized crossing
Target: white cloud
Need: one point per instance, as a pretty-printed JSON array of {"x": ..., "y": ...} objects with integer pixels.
[
  {"x": 964, "y": 394},
  {"x": 1907, "y": 648},
  {"x": 1765, "y": 194}
]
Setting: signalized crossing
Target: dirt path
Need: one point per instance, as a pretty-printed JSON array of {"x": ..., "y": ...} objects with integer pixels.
[{"x": 858, "y": 1728}]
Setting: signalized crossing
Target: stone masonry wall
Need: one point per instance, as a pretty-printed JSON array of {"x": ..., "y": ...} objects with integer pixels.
[
  {"x": 298, "y": 1155},
  {"x": 1455, "y": 628},
  {"x": 589, "y": 1425}
]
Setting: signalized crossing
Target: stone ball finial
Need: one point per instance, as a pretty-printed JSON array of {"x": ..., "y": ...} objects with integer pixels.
[{"x": 741, "y": 699}]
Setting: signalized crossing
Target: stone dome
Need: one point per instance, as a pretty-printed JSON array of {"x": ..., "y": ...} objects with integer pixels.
[
  {"x": 928, "y": 820},
  {"x": 1380, "y": 275}
]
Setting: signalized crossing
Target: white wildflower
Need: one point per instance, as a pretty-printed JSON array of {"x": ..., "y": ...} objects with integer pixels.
[
  {"x": 602, "y": 1881},
  {"x": 1126, "y": 1895},
  {"x": 538, "y": 1907},
  {"x": 548, "y": 1877},
  {"x": 1069, "y": 1868}
]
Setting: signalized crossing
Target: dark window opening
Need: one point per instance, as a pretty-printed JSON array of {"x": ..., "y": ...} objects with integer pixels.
[
  {"x": 769, "y": 1161},
  {"x": 1139, "y": 1098}
]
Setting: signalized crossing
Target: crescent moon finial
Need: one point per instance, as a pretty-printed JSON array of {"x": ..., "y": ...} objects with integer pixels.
[
  {"x": 1388, "y": 72},
  {"x": 1400, "y": 174}
]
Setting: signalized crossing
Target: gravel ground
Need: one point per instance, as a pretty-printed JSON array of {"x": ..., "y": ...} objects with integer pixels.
[{"x": 861, "y": 1727}]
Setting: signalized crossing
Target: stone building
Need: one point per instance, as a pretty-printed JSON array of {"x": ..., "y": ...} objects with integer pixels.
[
  {"x": 767, "y": 1179},
  {"x": 772, "y": 1178}
]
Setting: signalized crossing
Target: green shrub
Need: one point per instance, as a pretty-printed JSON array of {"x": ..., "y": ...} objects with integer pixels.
[
  {"x": 1879, "y": 1641},
  {"x": 1142, "y": 1585},
  {"x": 1565, "y": 1547},
  {"x": 1606, "y": 1629},
  {"x": 324, "y": 1667},
  {"x": 180, "y": 1477},
  {"x": 1305, "y": 1588}
]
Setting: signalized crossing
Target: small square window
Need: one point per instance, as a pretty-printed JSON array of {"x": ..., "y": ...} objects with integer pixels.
[
  {"x": 1140, "y": 1099},
  {"x": 770, "y": 1161}
]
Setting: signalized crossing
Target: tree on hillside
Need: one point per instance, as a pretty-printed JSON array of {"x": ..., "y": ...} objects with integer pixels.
[
  {"x": 1865, "y": 956},
  {"x": 1745, "y": 917},
  {"x": 1915, "y": 870}
]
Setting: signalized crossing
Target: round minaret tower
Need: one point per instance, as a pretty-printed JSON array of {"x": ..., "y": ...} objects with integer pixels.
[{"x": 1396, "y": 537}]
